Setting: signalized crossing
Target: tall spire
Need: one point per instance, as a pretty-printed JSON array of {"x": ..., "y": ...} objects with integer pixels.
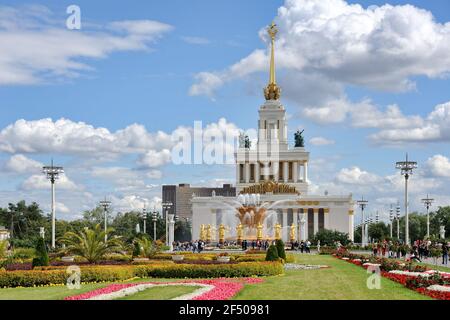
[{"x": 272, "y": 91}]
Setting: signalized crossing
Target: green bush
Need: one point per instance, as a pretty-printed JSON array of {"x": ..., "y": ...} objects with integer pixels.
[
  {"x": 280, "y": 247},
  {"x": 3, "y": 247},
  {"x": 42, "y": 257},
  {"x": 10, "y": 279},
  {"x": 272, "y": 253},
  {"x": 24, "y": 253},
  {"x": 136, "y": 249},
  {"x": 245, "y": 269}
]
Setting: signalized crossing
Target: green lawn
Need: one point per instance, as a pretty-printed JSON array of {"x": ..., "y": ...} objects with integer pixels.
[
  {"x": 45, "y": 293},
  {"x": 343, "y": 281},
  {"x": 161, "y": 293}
]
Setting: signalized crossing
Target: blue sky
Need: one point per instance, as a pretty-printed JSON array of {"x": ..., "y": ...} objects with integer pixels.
[{"x": 151, "y": 84}]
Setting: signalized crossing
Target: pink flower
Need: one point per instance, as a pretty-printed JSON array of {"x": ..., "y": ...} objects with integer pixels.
[{"x": 223, "y": 288}]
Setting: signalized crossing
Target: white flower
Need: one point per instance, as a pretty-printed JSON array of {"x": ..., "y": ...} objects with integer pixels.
[{"x": 439, "y": 288}]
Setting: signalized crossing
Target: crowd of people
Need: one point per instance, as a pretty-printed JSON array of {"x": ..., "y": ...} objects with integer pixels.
[{"x": 420, "y": 250}]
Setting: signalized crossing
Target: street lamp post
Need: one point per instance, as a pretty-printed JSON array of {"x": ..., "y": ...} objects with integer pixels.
[
  {"x": 406, "y": 169},
  {"x": 105, "y": 204},
  {"x": 53, "y": 173},
  {"x": 362, "y": 204},
  {"x": 428, "y": 202},
  {"x": 391, "y": 219},
  {"x": 144, "y": 216},
  {"x": 398, "y": 220},
  {"x": 154, "y": 219},
  {"x": 166, "y": 207}
]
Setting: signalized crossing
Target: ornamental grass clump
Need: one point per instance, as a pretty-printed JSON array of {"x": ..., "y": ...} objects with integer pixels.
[{"x": 90, "y": 244}]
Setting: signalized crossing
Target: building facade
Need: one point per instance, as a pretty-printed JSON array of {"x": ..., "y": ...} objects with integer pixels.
[
  {"x": 272, "y": 186},
  {"x": 180, "y": 197}
]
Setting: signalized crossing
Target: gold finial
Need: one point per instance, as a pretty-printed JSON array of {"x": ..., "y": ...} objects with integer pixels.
[{"x": 272, "y": 91}]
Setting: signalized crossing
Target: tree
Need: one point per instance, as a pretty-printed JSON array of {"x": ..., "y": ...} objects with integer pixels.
[
  {"x": 440, "y": 218},
  {"x": 90, "y": 244},
  {"x": 23, "y": 221},
  {"x": 42, "y": 256},
  {"x": 378, "y": 231},
  {"x": 93, "y": 217},
  {"x": 182, "y": 231},
  {"x": 280, "y": 249},
  {"x": 272, "y": 253},
  {"x": 328, "y": 237},
  {"x": 146, "y": 247}
]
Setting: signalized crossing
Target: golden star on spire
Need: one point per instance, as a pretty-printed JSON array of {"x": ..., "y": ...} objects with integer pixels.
[{"x": 272, "y": 91}]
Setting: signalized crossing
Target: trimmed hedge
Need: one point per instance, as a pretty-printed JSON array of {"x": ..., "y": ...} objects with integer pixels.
[
  {"x": 35, "y": 278},
  {"x": 9, "y": 279},
  {"x": 244, "y": 269}
]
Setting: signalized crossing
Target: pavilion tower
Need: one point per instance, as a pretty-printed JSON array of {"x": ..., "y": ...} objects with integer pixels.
[{"x": 272, "y": 161}]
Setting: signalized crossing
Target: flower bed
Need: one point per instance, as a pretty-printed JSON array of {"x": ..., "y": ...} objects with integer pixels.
[
  {"x": 34, "y": 278},
  {"x": 216, "y": 289},
  {"x": 432, "y": 283}
]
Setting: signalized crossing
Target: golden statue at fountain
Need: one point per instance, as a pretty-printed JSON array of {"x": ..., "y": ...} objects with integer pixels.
[
  {"x": 292, "y": 233},
  {"x": 221, "y": 233},
  {"x": 208, "y": 233},
  {"x": 240, "y": 231},
  {"x": 278, "y": 231},
  {"x": 202, "y": 232},
  {"x": 259, "y": 233}
]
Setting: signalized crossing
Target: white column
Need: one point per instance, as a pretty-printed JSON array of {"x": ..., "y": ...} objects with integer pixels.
[
  {"x": 284, "y": 233},
  {"x": 171, "y": 232},
  {"x": 238, "y": 176},
  {"x": 285, "y": 171},
  {"x": 326, "y": 216},
  {"x": 276, "y": 171},
  {"x": 53, "y": 216},
  {"x": 257, "y": 171},
  {"x": 305, "y": 172},
  {"x": 295, "y": 171},
  {"x": 351, "y": 230},
  {"x": 305, "y": 226},
  {"x": 266, "y": 171},
  {"x": 297, "y": 224},
  {"x": 247, "y": 172},
  {"x": 316, "y": 220}
]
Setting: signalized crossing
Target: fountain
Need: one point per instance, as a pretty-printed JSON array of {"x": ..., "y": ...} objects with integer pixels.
[{"x": 246, "y": 217}]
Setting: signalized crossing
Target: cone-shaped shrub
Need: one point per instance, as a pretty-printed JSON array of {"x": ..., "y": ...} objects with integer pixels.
[
  {"x": 136, "y": 249},
  {"x": 280, "y": 247},
  {"x": 42, "y": 257},
  {"x": 272, "y": 253}
]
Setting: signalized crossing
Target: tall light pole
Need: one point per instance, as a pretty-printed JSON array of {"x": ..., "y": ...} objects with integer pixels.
[
  {"x": 154, "y": 219},
  {"x": 105, "y": 204},
  {"x": 391, "y": 218},
  {"x": 398, "y": 220},
  {"x": 428, "y": 202},
  {"x": 144, "y": 216},
  {"x": 53, "y": 173},
  {"x": 406, "y": 169},
  {"x": 166, "y": 207},
  {"x": 362, "y": 204}
]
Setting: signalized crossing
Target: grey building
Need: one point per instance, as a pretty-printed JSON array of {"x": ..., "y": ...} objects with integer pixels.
[{"x": 180, "y": 196}]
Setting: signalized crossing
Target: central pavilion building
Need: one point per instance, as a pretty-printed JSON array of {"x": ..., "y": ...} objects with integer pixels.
[{"x": 278, "y": 175}]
